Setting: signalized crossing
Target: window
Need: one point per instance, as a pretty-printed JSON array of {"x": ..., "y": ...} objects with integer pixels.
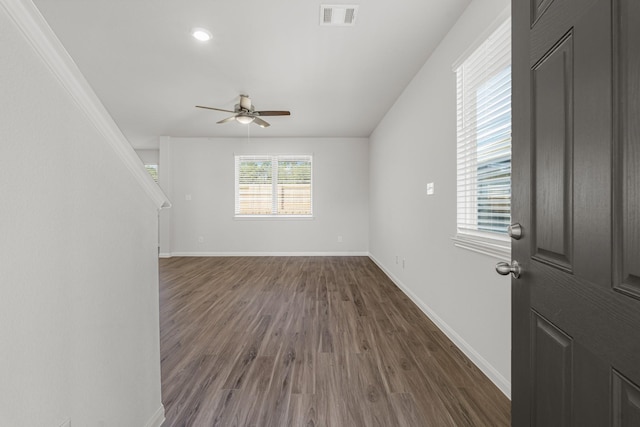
[
  {"x": 153, "y": 171},
  {"x": 484, "y": 145},
  {"x": 271, "y": 186}
]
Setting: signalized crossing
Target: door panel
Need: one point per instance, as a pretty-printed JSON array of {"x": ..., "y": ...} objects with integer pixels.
[
  {"x": 538, "y": 7},
  {"x": 576, "y": 192},
  {"x": 553, "y": 144},
  {"x": 552, "y": 350},
  {"x": 628, "y": 67},
  {"x": 593, "y": 144},
  {"x": 626, "y": 402}
]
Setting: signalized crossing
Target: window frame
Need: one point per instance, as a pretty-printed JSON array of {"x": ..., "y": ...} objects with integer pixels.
[
  {"x": 275, "y": 159},
  {"x": 496, "y": 244}
]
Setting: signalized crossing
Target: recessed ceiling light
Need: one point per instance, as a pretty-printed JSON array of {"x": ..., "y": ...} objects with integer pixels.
[{"x": 201, "y": 34}]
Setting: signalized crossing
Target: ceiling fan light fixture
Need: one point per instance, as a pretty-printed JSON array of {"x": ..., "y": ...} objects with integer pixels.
[
  {"x": 201, "y": 34},
  {"x": 245, "y": 113},
  {"x": 245, "y": 120}
]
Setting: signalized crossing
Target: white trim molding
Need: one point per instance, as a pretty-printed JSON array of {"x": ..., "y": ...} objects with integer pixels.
[
  {"x": 492, "y": 373},
  {"x": 496, "y": 248},
  {"x": 258, "y": 254},
  {"x": 499, "y": 20},
  {"x": 34, "y": 27},
  {"x": 156, "y": 419}
]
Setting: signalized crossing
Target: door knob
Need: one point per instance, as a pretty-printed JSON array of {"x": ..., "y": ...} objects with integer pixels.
[
  {"x": 515, "y": 231},
  {"x": 505, "y": 268}
]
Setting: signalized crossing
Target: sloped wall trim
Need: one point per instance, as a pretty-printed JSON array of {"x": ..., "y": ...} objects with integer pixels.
[{"x": 36, "y": 30}]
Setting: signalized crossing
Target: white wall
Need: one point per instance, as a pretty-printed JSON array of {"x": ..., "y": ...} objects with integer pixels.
[
  {"x": 79, "y": 334},
  {"x": 204, "y": 169},
  {"x": 149, "y": 157},
  {"x": 416, "y": 144}
]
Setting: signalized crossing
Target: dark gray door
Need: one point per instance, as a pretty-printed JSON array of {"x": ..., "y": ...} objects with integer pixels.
[{"x": 576, "y": 192}]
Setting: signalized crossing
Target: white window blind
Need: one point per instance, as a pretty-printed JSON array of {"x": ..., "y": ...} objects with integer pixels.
[
  {"x": 484, "y": 141},
  {"x": 153, "y": 171},
  {"x": 273, "y": 186}
]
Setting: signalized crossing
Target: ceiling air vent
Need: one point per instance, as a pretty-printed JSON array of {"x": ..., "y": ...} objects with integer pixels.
[{"x": 338, "y": 15}]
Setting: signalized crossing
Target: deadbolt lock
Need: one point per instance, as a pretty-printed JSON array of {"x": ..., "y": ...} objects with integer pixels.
[{"x": 515, "y": 231}]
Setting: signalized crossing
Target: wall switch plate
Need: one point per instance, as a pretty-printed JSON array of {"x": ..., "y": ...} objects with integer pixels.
[
  {"x": 187, "y": 196},
  {"x": 430, "y": 189},
  {"x": 339, "y": 239}
]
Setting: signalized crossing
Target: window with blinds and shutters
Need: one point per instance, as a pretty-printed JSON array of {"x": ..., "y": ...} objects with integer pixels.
[
  {"x": 484, "y": 145},
  {"x": 273, "y": 186}
]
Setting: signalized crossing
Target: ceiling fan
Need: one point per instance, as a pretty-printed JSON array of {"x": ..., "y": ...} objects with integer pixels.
[{"x": 245, "y": 113}]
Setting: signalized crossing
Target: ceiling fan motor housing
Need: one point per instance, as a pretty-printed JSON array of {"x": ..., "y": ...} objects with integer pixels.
[{"x": 245, "y": 103}]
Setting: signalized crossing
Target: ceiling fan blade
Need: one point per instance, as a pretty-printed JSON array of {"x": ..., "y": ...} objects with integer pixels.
[
  {"x": 245, "y": 102},
  {"x": 273, "y": 113},
  {"x": 217, "y": 109},
  {"x": 228, "y": 119},
  {"x": 260, "y": 122}
]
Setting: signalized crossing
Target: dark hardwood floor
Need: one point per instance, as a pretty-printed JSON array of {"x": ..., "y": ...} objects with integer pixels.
[{"x": 308, "y": 341}]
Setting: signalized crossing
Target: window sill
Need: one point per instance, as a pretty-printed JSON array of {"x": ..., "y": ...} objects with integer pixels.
[
  {"x": 274, "y": 217},
  {"x": 496, "y": 247}
]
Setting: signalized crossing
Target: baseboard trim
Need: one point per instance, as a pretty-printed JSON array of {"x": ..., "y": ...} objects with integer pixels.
[
  {"x": 157, "y": 419},
  {"x": 258, "y": 254},
  {"x": 500, "y": 381}
]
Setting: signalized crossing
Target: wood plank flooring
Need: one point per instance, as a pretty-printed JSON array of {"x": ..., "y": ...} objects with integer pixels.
[{"x": 308, "y": 341}]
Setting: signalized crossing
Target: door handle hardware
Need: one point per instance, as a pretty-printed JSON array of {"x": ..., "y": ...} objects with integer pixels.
[
  {"x": 515, "y": 231},
  {"x": 504, "y": 268}
]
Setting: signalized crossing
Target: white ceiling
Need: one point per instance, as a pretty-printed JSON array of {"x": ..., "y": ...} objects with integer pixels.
[{"x": 149, "y": 72}]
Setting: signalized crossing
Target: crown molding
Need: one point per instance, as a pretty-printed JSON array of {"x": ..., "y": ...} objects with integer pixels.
[{"x": 36, "y": 30}]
